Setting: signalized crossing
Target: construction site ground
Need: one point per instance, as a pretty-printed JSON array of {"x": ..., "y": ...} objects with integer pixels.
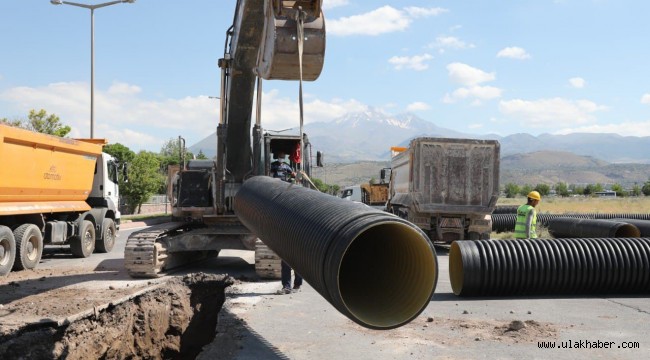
[{"x": 90, "y": 308}]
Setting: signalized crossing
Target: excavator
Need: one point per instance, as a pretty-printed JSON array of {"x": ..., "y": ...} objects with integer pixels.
[{"x": 268, "y": 40}]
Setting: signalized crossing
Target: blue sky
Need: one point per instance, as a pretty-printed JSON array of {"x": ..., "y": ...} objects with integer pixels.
[{"x": 502, "y": 67}]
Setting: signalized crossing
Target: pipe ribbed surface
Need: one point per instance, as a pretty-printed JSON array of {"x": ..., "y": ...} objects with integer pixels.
[
  {"x": 506, "y": 222},
  {"x": 375, "y": 268},
  {"x": 565, "y": 227},
  {"x": 505, "y": 209},
  {"x": 642, "y": 225},
  {"x": 550, "y": 266}
]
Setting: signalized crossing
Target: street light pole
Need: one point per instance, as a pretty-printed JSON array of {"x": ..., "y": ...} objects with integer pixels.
[{"x": 92, "y": 49}]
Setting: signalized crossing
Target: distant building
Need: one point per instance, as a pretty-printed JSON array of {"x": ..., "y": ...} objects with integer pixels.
[{"x": 606, "y": 194}]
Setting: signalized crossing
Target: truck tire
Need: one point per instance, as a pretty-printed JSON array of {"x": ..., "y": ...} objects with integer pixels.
[
  {"x": 107, "y": 241},
  {"x": 7, "y": 250},
  {"x": 83, "y": 245},
  {"x": 29, "y": 246}
]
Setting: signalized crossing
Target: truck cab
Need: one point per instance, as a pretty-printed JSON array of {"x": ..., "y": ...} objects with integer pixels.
[{"x": 352, "y": 193}]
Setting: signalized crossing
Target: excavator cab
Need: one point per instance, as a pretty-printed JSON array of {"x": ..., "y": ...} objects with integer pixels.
[
  {"x": 279, "y": 55},
  {"x": 290, "y": 145}
]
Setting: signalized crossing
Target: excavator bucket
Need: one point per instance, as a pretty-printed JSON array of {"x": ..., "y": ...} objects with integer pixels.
[{"x": 279, "y": 53}]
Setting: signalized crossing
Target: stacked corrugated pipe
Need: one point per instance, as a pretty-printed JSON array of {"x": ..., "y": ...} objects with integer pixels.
[
  {"x": 506, "y": 222},
  {"x": 550, "y": 266}
]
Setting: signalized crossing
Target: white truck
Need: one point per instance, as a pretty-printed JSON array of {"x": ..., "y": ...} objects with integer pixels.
[{"x": 447, "y": 187}]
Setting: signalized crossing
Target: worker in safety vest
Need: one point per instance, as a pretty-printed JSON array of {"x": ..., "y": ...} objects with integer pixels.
[{"x": 526, "y": 226}]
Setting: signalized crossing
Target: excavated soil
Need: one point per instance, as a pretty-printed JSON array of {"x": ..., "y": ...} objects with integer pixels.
[{"x": 172, "y": 321}]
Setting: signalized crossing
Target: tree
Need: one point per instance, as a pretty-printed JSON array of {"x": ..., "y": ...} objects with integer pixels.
[
  {"x": 170, "y": 154},
  {"x": 16, "y": 123},
  {"x": 40, "y": 122},
  {"x": 636, "y": 190},
  {"x": 524, "y": 190},
  {"x": 323, "y": 187},
  {"x": 201, "y": 155},
  {"x": 47, "y": 124},
  {"x": 618, "y": 189},
  {"x": 121, "y": 153},
  {"x": 577, "y": 189},
  {"x": 144, "y": 179},
  {"x": 511, "y": 190},
  {"x": 543, "y": 189},
  {"x": 592, "y": 189},
  {"x": 562, "y": 189},
  {"x": 646, "y": 188}
]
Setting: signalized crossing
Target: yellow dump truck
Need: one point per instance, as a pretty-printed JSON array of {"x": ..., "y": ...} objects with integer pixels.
[{"x": 54, "y": 190}]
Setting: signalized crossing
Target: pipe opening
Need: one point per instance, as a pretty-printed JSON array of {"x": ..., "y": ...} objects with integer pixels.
[
  {"x": 387, "y": 275},
  {"x": 456, "y": 268},
  {"x": 627, "y": 231}
]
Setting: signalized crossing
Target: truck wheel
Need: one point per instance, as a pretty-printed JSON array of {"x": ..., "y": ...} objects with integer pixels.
[
  {"x": 83, "y": 244},
  {"x": 7, "y": 250},
  {"x": 106, "y": 243},
  {"x": 29, "y": 246}
]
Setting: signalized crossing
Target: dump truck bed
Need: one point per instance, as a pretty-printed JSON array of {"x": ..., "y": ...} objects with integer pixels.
[
  {"x": 448, "y": 175},
  {"x": 44, "y": 173}
]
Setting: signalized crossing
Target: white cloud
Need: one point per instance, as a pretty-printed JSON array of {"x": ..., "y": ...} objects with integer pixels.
[
  {"x": 124, "y": 115},
  {"x": 417, "y": 62},
  {"x": 577, "y": 82},
  {"x": 641, "y": 128},
  {"x": 475, "y": 126},
  {"x": 513, "y": 52},
  {"x": 385, "y": 19},
  {"x": 553, "y": 112},
  {"x": 473, "y": 92},
  {"x": 418, "y": 106},
  {"x": 330, "y": 4},
  {"x": 450, "y": 42},
  {"x": 119, "y": 88},
  {"x": 419, "y": 12},
  {"x": 467, "y": 75},
  {"x": 645, "y": 99},
  {"x": 380, "y": 21}
]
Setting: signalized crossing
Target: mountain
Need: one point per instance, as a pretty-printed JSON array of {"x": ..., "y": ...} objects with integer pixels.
[
  {"x": 551, "y": 167},
  {"x": 369, "y": 135},
  {"x": 540, "y": 167}
]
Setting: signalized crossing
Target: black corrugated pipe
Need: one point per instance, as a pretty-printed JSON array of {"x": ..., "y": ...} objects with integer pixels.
[
  {"x": 564, "y": 227},
  {"x": 375, "y": 268},
  {"x": 505, "y": 209},
  {"x": 506, "y": 222},
  {"x": 642, "y": 225},
  {"x": 503, "y": 222},
  {"x": 550, "y": 266}
]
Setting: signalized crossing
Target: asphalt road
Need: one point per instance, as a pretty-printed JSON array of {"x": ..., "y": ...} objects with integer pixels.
[{"x": 257, "y": 324}]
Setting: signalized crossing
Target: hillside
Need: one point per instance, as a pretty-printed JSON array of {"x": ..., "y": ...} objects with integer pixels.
[{"x": 547, "y": 167}]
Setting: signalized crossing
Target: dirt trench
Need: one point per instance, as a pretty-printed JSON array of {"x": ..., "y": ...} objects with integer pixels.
[{"x": 172, "y": 321}]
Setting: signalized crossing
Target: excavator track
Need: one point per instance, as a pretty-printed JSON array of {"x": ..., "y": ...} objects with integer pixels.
[
  {"x": 267, "y": 263},
  {"x": 145, "y": 256}
]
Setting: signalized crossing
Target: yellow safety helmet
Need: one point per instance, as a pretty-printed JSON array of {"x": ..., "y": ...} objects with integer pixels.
[{"x": 534, "y": 195}]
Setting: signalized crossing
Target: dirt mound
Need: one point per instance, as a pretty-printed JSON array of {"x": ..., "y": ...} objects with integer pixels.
[{"x": 174, "y": 320}]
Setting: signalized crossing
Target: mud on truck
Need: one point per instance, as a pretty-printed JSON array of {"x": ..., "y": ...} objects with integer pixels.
[{"x": 447, "y": 187}]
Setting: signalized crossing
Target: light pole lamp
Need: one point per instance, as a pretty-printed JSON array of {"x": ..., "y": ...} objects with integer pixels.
[{"x": 92, "y": 49}]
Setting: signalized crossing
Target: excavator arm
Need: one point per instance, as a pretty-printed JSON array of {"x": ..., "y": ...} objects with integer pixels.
[{"x": 263, "y": 43}]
